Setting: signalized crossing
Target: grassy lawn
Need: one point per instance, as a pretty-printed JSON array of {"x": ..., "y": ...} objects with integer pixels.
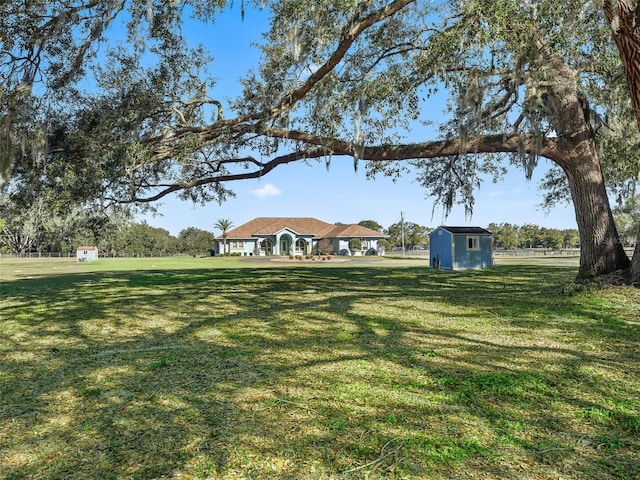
[{"x": 217, "y": 368}]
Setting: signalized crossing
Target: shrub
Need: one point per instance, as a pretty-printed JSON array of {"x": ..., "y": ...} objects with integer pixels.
[
  {"x": 355, "y": 245},
  {"x": 324, "y": 246}
]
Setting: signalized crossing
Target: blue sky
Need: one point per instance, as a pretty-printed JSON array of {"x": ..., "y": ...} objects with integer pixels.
[{"x": 338, "y": 194}]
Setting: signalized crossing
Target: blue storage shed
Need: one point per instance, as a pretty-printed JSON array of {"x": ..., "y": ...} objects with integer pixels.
[{"x": 461, "y": 248}]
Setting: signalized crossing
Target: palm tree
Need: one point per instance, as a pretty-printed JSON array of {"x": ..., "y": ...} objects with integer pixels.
[{"x": 224, "y": 224}]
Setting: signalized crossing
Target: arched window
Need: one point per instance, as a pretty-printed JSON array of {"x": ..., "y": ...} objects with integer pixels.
[
  {"x": 266, "y": 247},
  {"x": 301, "y": 247}
]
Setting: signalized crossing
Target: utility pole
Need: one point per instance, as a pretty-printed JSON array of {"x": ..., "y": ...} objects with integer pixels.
[{"x": 402, "y": 230}]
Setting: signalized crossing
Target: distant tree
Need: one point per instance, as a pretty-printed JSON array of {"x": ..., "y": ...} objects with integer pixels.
[
  {"x": 395, "y": 234},
  {"x": 505, "y": 235},
  {"x": 325, "y": 247},
  {"x": 627, "y": 217},
  {"x": 552, "y": 238},
  {"x": 224, "y": 224},
  {"x": 195, "y": 241},
  {"x": 413, "y": 233},
  {"x": 529, "y": 235},
  {"x": 45, "y": 222},
  {"x": 142, "y": 238},
  {"x": 570, "y": 238},
  {"x": 372, "y": 224},
  {"x": 23, "y": 229},
  {"x": 383, "y": 245}
]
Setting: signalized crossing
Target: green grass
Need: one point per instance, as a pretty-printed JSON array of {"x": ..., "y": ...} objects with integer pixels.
[{"x": 219, "y": 368}]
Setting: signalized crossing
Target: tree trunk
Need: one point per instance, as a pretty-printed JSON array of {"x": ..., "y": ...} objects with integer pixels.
[
  {"x": 635, "y": 263},
  {"x": 624, "y": 18},
  {"x": 601, "y": 251}
]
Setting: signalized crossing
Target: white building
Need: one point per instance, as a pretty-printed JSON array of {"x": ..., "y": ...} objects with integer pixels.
[{"x": 87, "y": 254}]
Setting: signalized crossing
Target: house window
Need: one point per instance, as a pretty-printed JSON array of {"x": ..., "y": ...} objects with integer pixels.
[
  {"x": 266, "y": 246},
  {"x": 473, "y": 243},
  {"x": 237, "y": 245},
  {"x": 301, "y": 246},
  {"x": 365, "y": 244}
]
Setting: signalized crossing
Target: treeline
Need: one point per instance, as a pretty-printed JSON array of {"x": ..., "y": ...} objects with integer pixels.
[
  {"x": 143, "y": 238},
  {"x": 115, "y": 235},
  {"x": 509, "y": 236},
  {"x": 506, "y": 235},
  {"x": 111, "y": 239}
]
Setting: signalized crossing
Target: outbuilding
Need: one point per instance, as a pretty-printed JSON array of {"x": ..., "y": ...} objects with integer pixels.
[
  {"x": 87, "y": 254},
  {"x": 461, "y": 248}
]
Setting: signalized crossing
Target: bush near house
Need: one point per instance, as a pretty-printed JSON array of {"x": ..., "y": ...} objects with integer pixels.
[{"x": 355, "y": 245}]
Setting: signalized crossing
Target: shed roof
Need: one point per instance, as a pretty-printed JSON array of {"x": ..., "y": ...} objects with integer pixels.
[{"x": 466, "y": 230}]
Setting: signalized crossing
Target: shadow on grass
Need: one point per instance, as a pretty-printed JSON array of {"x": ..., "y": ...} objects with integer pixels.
[{"x": 311, "y": 372}]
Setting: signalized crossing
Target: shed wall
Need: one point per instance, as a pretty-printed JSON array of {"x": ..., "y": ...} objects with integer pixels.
[
  {"x": 470, "y": 259},
  {"x": 440, "y": 245}
]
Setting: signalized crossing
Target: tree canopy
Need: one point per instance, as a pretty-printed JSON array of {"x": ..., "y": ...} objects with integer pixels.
[{"x": 523, "y": 80}]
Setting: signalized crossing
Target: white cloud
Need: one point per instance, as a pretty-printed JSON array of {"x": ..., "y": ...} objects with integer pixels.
[
  {"x": 267, "y": 191},
  {"x": 495, "y": 193}
]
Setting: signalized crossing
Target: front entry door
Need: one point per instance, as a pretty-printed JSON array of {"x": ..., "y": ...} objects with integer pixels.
[{"x": 285, "y": 245}]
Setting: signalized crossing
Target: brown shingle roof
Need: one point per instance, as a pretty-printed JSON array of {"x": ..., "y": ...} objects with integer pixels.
[
  {"x": 272, "y": 225},
  {"x": 352, "y": 231},
  {"x": 306, "y": 226}
]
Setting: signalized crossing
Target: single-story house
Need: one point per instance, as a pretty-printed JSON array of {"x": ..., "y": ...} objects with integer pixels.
[
  {"x": 264, "y": 236},
  {"x": 461, "y": 248},
  {"x": 87, "y": 254}
]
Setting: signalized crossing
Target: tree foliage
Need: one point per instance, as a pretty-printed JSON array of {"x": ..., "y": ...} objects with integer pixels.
[
  {"x": 627, "y": 216},
  {"x": 44, "y": 225},
  {"x": 508, "y": 236},
  {"x": 195, "y": 241},
  {"x": 224, "y": 225},
  {"x": 141, "y": 238},
  {"x": 371, "y": 224},
  {"x": 412, "y": 233}
]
